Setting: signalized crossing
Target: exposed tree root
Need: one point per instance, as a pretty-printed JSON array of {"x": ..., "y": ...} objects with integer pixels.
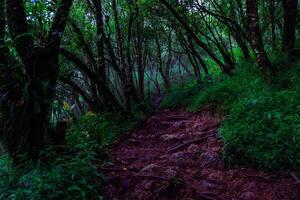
[
  {"x": 177, "y": 148},
  {"x": 153, "y": 177},
  {"x": 295, "y": 177}
]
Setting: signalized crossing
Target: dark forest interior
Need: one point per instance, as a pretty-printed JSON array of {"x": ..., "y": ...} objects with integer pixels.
[{"x": 149, "y": 99}]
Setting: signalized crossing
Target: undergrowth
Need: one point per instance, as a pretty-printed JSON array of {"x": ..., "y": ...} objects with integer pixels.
[
  {"x": 71, "y": 173},
  {"x": 69, "y": 176},
  {"x": 262, "y": 121}
]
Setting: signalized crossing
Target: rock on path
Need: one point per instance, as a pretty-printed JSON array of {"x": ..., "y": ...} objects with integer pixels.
[{"x": 164, "y": 160}]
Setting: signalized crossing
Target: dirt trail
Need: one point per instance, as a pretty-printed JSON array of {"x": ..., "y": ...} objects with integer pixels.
[{"x": 176, "y": 155}]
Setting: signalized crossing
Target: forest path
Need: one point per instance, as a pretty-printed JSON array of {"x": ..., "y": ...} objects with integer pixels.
[{"x": 176, "y": 155}]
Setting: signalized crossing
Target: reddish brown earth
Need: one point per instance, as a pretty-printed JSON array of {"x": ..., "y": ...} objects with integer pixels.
[{"x": 151, "y": 163}]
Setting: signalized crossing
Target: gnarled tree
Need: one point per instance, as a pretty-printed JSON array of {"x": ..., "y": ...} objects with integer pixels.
[{"x": 29, "y": 86}]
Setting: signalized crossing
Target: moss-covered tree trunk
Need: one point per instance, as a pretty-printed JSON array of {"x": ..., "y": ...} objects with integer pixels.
[{"x": 27, "y": 114}]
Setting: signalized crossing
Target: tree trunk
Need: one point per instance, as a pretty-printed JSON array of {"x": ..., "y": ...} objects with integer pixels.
[
  {"x": 16, "y": 20},
  {"x": 3, "y": 48},
  {"x": 129, "y": 70},
  {"x": 289, "y": 29},
  {"x": 100, "y": 40},
  {"x": 140, "y": 53},
  {"x": 28, "y": 130},
  {"x": 273, "y": 23},
  {"x": 256, "y": 39},
  {"x": 242, "y": 44},
  {"x": 161, "y": 66},
  {"x": 169, "y": 60},
  {"x": 120, "y": 42}
]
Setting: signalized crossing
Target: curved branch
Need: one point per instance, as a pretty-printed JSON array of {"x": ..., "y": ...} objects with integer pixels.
[
  {"x": 113, "y": 58},
  {"x": 80, "y": 64},
  {"x": 185, "y": 25},
  {"x": 58, "y": 25},
  {"x": 111, "y": 100},
  {"x": 78, "y": 89},
  {"x": 83, "y": 42}
]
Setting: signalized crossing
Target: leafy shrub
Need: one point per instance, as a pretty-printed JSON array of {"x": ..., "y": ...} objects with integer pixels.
[
  {"x": 181, "y": 97},
  {"x": 263, "y": 131},
  {"x": 263, "y": 124},
  {"x": 104, "y": 129},
  {"x": 101, "y": 129},
  {"x": 216, "y": 94},
  {"x": 72, "y": 176}
]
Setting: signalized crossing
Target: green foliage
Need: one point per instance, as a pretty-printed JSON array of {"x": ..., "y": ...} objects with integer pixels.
[
  {"x": 216, "y": 94},
  {"x": 71, "y": 176},
  {"x": 263, "y": 125},
  {"x": 140, "y": 113},
  {"x": 220, "y": 91},
  {"x": 181, "y": 97},
  {"x": 264, "y": 130},
  {"x": 104, "y": 129},
  {"x": 94, "y": 128},
  {"x": 262, "y": 121}
]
